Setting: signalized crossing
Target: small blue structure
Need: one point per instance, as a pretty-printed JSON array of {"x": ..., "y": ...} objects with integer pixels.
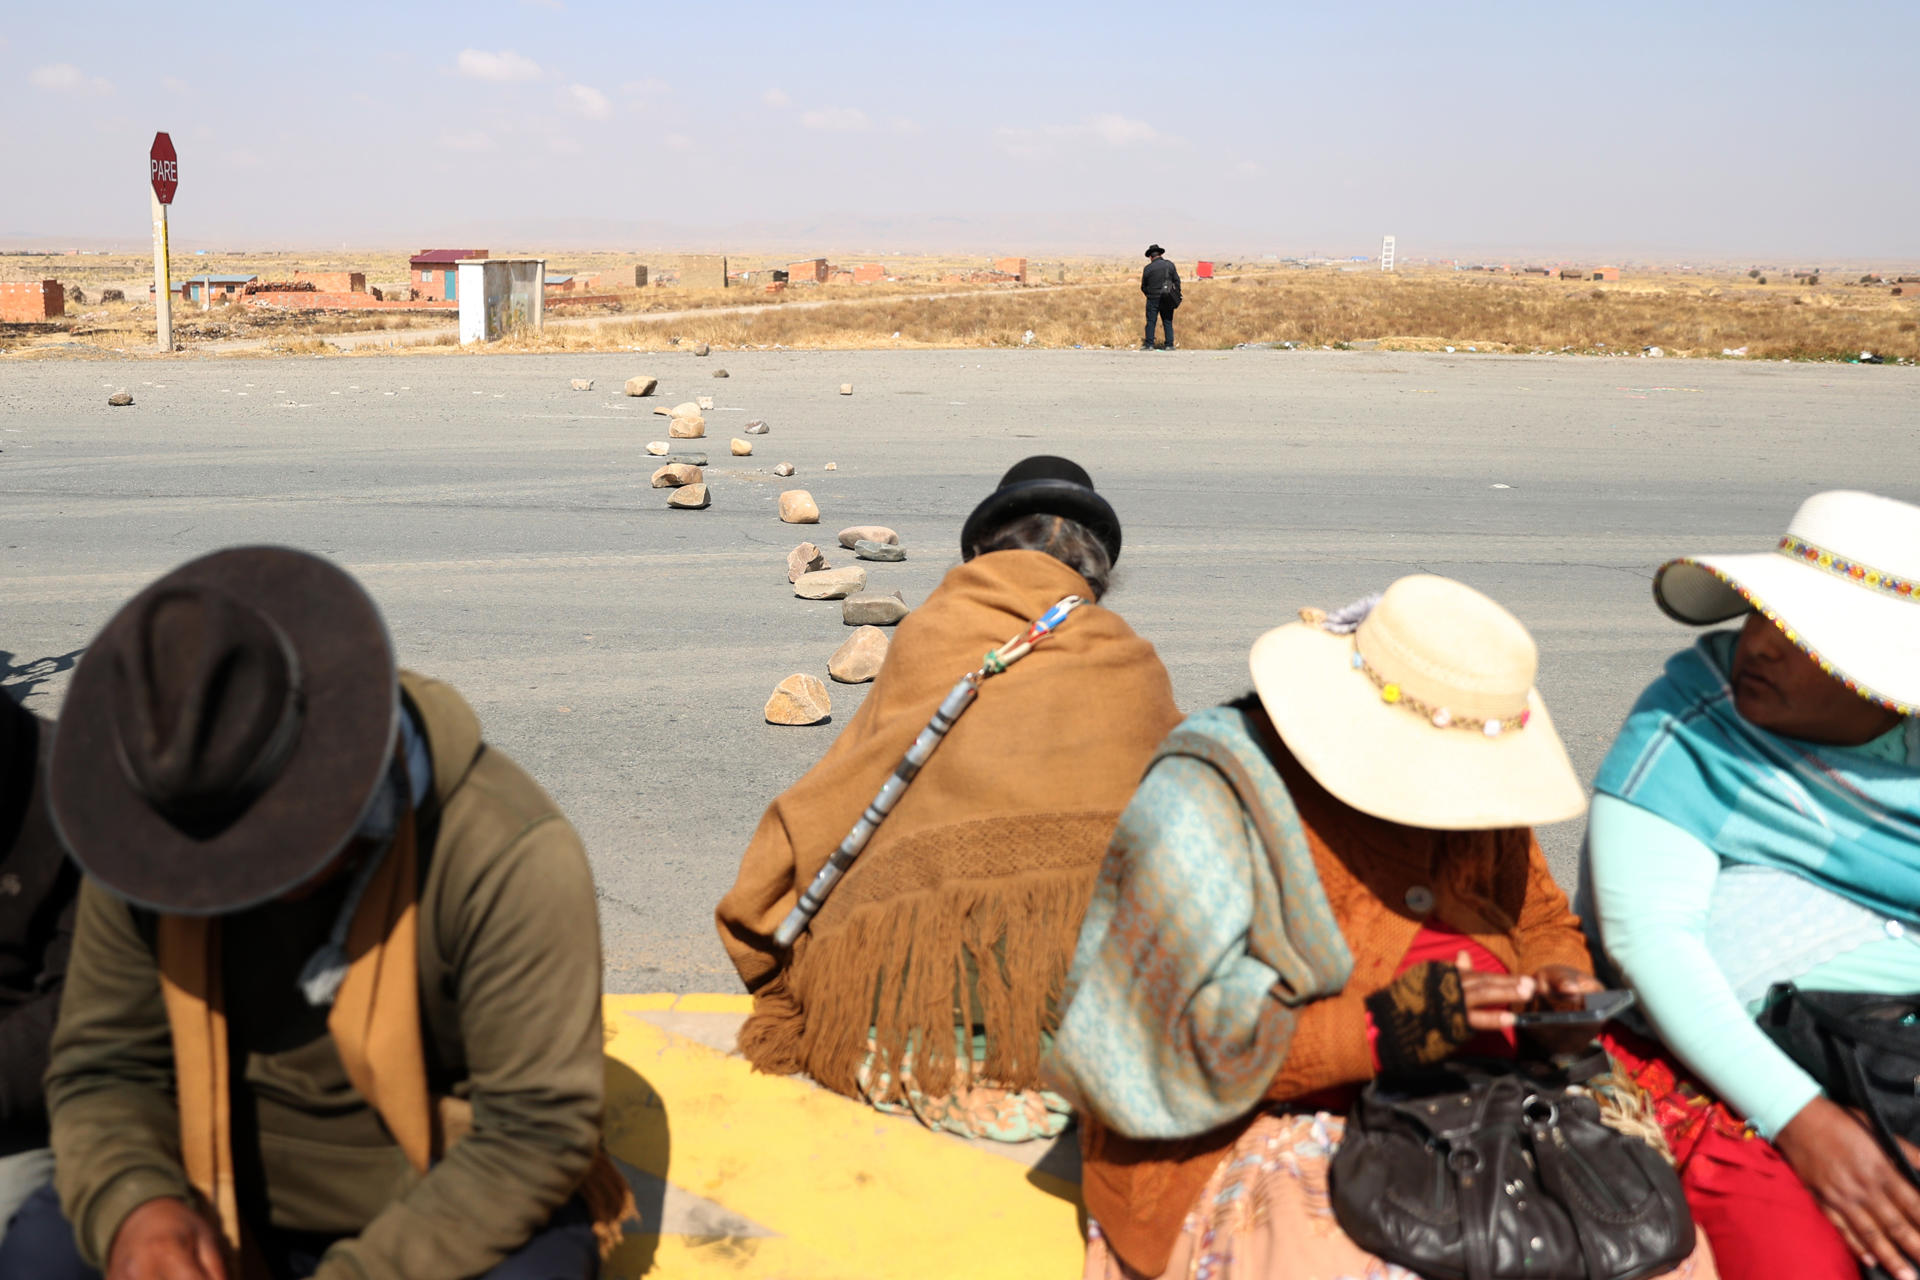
[{"x": 202, "y": 287}]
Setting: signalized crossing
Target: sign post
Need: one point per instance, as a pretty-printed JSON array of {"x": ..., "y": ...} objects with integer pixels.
[{"x": 163, "y": 171}]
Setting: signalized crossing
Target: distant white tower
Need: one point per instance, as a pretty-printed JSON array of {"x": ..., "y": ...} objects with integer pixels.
[{"x": 1386, "y": 254}]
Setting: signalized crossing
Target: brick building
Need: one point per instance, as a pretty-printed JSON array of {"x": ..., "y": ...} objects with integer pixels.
[
  {"x": 811, "y": 271},
  {"x": 869, "y": 273},
  {"x": 333, "y": 281},
  {"x": 25, "y": 301},
  {"x": 1015, "y": 267},
  {"x": 204, "y": 288},
  {"x": 431, "y": 273}
]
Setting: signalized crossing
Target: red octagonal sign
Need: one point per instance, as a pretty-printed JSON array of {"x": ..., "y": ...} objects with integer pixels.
[{"x": 164, "y": 167}]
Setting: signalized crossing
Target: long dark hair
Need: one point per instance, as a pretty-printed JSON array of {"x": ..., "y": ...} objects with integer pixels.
[{"x": 1068, "y": 541}]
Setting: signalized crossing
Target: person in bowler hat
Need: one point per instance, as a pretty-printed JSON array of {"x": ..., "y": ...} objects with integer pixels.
[
  {"x": 333, "y": 1007},
  {"x": 1160, "y": 282}
]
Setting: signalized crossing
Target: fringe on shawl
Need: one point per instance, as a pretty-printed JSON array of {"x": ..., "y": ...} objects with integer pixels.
[{"x": 900, "y": 968}]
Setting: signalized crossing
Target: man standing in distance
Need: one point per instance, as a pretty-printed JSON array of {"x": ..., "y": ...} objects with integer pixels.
[{"x": 1160, "y": 281}]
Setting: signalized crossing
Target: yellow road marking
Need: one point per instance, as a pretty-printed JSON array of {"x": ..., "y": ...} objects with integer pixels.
[{"x": 851, "y": 1194}]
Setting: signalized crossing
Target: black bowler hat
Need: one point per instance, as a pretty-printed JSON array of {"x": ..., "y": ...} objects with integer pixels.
[
  {"x": 1153, "y": 249},
  {"x": 1044, "y": 485},
  {"x": 225, "y": 732}
]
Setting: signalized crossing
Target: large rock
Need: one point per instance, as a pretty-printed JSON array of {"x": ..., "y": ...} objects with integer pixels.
[
  {"x": 799, "y": 699},
  {"x": 583, "y": 384},
  {"x": 798, "y": 507},
  {"x": 868, "y": 533},
  {"x": 120, "y": 399},
  {"x": 675, "y": 474},
  {"x": 658, "y": 447},
  {"x": 858, "y": 660},
  {"x": 873, "y": 609},
  {"x": 691, "y": 497},
  {"x": 702, "y": 349},
  {"x": 684, "y": 428},
  {"x": 887, "y": 552},
  {"x": 758, "y": 427},
  {"x": 805, "y": 558},
  {"x": 685, "y": 409},
  {"x": 846, "y": 388},
  {"x": 783, "y": 469},
  {"x": 831, "y": 584},
  {"x": 741, "y": 448},
  {"x": 721, "y": 373},
  {"x": 641, "y": 385}
]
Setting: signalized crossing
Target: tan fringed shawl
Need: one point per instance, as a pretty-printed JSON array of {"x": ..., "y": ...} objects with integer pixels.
[
  {"x": 966, "y": 905},
  {"x": 375, "y": 1025}
]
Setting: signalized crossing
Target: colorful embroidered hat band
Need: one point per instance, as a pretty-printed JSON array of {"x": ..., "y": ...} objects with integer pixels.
[
  {"x": 1841, "y": 567},
  {"x": 1439, "y": 717}
]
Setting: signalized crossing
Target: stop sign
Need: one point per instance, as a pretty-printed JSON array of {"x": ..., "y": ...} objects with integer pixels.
[{"x": 164, "y": 167}]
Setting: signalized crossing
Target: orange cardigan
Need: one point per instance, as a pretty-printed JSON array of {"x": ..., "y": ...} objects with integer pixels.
[{"x": 1492, "y": 885}]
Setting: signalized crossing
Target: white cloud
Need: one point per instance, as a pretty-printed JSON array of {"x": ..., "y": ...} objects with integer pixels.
[
  {"x": 502, "y": 66},
  {"x": 472, "y": 140},
  {"x": 1119, "y": 131},
  {"x": 836, "y": 119},
  {"x": 587, "y": 102},
  {"x": 64, "y": 77},
  {"x": 1109, "y": 130},
  {"x": 677, "y": 142},
  {"x": 777, "y": 98},
  {"x": 648, "y": 88}
]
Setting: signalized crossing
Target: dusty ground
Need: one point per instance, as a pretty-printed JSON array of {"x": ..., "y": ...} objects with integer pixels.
[{"x": 623, "y": 652}]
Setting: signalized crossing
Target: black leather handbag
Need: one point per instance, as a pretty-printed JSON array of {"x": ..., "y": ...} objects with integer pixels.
[
  {"x": 1863, "y": 1049},
  {"x": 1491, "y": 1170}
]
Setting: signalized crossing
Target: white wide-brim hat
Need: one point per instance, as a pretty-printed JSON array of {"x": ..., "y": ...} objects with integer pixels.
[
  {"x": 1843, "y": 585},
  {"x": 1425, "y": 714}
]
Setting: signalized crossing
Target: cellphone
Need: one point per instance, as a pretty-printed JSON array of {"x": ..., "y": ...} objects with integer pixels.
[{"x": 1601, "y": 1007}]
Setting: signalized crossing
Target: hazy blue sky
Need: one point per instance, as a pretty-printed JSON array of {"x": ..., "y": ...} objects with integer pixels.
[{"x": 1761, "y": 130}]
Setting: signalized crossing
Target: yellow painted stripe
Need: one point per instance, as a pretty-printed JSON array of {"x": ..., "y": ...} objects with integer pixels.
[
  {"x": 704, "y": 1002},
  {"x": 866, "y": 1196}
]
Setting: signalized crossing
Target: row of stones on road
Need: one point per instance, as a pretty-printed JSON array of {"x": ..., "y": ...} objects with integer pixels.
[{"x": 803, "y": 699}]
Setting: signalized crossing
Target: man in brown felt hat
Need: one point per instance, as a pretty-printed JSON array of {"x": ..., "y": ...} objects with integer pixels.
[{"x": 334, "y": 1001}]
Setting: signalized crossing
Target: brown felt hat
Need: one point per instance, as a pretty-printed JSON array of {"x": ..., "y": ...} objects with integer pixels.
[{"x": 225, "y": 732}]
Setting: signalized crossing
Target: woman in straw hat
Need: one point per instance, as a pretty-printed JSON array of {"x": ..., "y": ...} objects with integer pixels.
[
  {"x": 1333, "y": 878},
  {"x": 1758, "y": 822},
  {"x": 928, "y": 980}
]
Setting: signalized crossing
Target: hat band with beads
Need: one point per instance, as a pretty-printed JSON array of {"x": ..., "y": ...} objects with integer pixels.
[{"x": 1438, "y": 716}]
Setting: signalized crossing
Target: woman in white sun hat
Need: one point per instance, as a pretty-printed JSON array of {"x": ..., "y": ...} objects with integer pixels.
[
  {"x": 1758, "y": 822},
  {"x": 1329, "y": 879}
]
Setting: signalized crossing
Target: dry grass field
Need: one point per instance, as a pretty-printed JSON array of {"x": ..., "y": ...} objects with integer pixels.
[{"x": 1082, "y": 302}]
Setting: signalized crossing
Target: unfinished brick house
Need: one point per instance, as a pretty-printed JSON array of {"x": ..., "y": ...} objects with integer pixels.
[
  {"x": 431, "y": 274},
  {"x": 28, "y": 301}
]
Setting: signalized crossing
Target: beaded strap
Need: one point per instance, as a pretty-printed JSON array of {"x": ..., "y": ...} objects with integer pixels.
[
  {"x": 1438, "y": 717},
  {"x": 1841, "y": 567}
]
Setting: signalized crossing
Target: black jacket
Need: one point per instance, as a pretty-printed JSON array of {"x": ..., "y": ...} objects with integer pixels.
[
  {"x": 1160, "y": 278},
  {"x": 39, "y": 887}
]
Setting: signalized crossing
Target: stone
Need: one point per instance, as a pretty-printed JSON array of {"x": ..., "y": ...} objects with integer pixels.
[
  {"x": 858, "y": 660},
  {"x": 805, "y": 558},
  {"x": 685, "y": 409},
  {"x": 873, "y": 609},
  {"x": 687, "y": 459},
  {"x": 888, "y": 552},
  {"x": 687, "y": 428},
  {"x": 690, "y": 497},
  {"x": 657, "y": 447},
  {"x": 798, "y": 507},
  {"x": 846, "y": 388},
  {"x": 702, "y": 349},
  {"x": 783, "y": 469},
  {"x": 675, "y": 474},
  {"x": 831, "y": 584},
  {"x": 641, "y": 385},
  {"x": 741, "y": 448},
  {"x": 831, "y": 466},
  {"x": 799, "y": 700},
  {"x": 705, "y": 403},
  {"x": 120, "y": 399},
  {"x": 757, "y": 427},
  {"x": 583, "y": 384},
  {"x": 721, "y": 373},
  {"x": 664, "y": 411},
  {"x": 868, "y": 533}
]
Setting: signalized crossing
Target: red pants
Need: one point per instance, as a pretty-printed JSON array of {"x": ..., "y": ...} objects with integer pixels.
[{"x": 1759, "y": 1217}]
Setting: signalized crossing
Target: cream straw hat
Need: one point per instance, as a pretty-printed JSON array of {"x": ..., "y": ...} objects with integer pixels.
[
  {"x": 1843, "y": 584},
  {"x": 1425, "y": 715}
]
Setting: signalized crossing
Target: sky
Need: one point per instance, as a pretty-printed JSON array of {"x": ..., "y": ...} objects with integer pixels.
[{"x": 1637, "y": 131}]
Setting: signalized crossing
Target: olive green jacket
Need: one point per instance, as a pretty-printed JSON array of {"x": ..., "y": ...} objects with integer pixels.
[{"x": 510, "y": 1001}]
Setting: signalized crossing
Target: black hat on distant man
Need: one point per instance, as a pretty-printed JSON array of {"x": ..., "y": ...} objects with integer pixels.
[
  {"x": 1154, "y": 251},
  {"x": 226, "y": 732},
  {"x": 1044, "y": 485}
]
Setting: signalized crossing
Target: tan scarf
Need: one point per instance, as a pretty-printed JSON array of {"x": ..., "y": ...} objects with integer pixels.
[{"x": 375, "y": 1025}]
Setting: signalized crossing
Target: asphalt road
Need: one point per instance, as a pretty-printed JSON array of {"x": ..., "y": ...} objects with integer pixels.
[{"x": 622, "y": 652}]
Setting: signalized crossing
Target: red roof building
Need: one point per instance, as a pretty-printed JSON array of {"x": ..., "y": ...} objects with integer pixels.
[{"x": 431, "y": 272}]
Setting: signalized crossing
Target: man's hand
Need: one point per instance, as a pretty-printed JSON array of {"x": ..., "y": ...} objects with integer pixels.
[
  {"x": 1876, "y": 1209},
  {"x": 165, "y": 1239}
]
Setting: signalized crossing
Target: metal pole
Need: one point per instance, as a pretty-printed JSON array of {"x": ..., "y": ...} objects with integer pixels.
[{"x": 162, "y": 276}]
